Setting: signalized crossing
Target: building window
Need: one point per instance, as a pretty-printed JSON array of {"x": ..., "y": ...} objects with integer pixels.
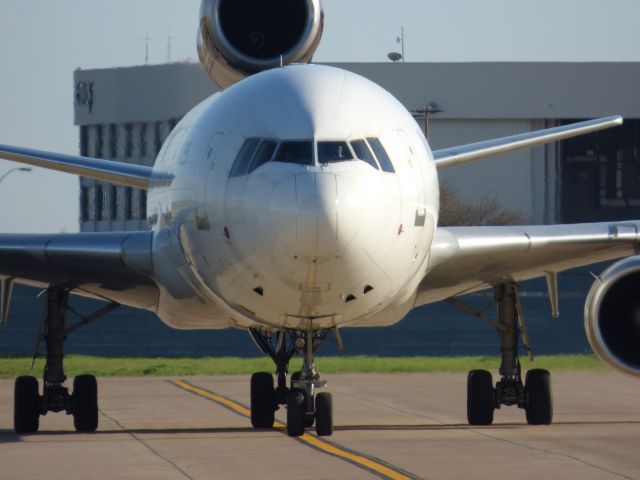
[
  {"x": 105, "y": 151},
  {"x": 93, "y": 139},
  {"x": 143, "y": 205},
  {"x": 157, "y": 138},
  {"x": 106, "y": 203},
  {"x": 95, "y": 205},
  {"x": 120, "y": 203},
  {"x": 84, "y": 141},
  {"x": 111, "y": 141},
  {"x": 128, "y": 203},
  {"x": 144, "y": 146},
  {"x": 84, "y": 204},
  {"x": 128, "y": 140},
  {"x": 139, "y": 205},
  {"x": 120, "y": 141},
  {"x": 99, "y": 141},
  {"x": 113, "y": 202},
  {"x": 135, "y": 205},
  {"x": 136, "y": 140}
]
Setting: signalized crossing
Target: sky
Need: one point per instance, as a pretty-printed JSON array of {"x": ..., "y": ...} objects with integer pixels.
[{"x": 43, "y": 42}]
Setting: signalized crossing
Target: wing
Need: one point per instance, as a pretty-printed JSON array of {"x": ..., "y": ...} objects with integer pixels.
[
  {"x": 451, "y": 157},
  {"x": 112, "y": 266},
  {"x": 466, "y": 259},
  {"x": 130, "y": 175}
]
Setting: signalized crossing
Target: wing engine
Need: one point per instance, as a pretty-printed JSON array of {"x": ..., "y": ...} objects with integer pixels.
[
  {"x": 612, "y": 316},
  {"x": 238, "y": 38}
]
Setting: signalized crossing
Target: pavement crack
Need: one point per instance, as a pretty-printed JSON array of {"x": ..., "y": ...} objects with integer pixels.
[{"x": 147, "y": 446}]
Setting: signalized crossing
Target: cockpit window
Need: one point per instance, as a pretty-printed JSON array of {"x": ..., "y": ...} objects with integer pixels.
[
  {"x": 362, "y": 152},
  {"x": 255, "y": 152},
  {"x": 263, "y": 154},
  {"x": 330, "y": 152},
  {"x": 241, "y": 164},
  {"x": 300, "y": 152},
  {"x": 381, "y": 155}
]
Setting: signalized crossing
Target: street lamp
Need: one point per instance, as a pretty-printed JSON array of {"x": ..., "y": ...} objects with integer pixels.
[
  {"x": 397, "y": 56},
  {"x": 14, "y": 169},
  {"x": 424, "y": 114}
]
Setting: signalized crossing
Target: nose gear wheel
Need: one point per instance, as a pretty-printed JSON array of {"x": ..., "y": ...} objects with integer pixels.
[{"x": 304, "y": 406}]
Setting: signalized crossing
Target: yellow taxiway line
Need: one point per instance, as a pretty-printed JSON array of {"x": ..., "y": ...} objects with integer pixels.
[{"x": 373, "y": 465}]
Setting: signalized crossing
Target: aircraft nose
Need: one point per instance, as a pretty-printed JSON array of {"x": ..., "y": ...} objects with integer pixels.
[{"x": 316, "y": 214}]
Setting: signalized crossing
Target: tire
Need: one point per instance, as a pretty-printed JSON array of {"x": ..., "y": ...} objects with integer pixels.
[
  {"x": 26, "y": 405},
  {"x": 324, "y": 414},
  {"x": 480, "y": 398},
  {"x": 539, "y": 406},
  {"x": 85, "y": 403},
  {"x": 295, "y": 413},
  {"x": 263, "y": 400}
]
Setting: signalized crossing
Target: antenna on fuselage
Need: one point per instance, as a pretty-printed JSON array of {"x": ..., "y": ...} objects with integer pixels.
[{"x": 281, "y": 61}]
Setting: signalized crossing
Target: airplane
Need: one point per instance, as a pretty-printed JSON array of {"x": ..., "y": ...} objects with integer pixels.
[{"x": 300, "y": 200}]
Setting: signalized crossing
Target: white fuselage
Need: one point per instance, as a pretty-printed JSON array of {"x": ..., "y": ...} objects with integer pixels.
[{"x": 300, "y": 245}]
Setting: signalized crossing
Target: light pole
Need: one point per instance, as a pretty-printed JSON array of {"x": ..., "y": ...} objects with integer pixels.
[
  {"x": 424, "y": 114},
  {"x": 396, "y": 56},
  {"x": 14, "y": 169}
]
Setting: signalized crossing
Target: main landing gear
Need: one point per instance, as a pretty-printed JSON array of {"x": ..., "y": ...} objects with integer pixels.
[
  {"x": 83, "y": 402},
  {"x": 304, "y": 406},
  {"x": 534, "y": 395}
]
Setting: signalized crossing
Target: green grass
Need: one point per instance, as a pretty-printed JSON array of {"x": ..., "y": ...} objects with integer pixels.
[{"x": 11, "y": 367}]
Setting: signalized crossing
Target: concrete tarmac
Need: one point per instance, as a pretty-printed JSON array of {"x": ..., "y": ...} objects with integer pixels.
[{"x": 414, "y": 424}]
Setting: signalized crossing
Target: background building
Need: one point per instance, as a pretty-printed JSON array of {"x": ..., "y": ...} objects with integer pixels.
[{"x": 126, "y": 113}]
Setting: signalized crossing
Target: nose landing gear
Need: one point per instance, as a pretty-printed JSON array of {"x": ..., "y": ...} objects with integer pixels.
[{"x": 304, "y": 406}]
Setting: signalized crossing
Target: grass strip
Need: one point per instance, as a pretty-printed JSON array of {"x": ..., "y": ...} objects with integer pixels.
[{"x": 11, "y": 367}]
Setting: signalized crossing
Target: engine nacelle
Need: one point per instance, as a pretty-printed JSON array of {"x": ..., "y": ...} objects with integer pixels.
[
  {"x": 612, "y": 316},
  {"x": 238, "y": 38}
]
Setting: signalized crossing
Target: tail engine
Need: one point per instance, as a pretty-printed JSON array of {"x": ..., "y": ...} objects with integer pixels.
[
  {"x": 238, "y": 38},
  {"x": 612, "y": 316}
]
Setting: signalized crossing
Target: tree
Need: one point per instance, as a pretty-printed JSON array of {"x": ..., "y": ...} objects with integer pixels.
[{"x": 486, "y": 211}]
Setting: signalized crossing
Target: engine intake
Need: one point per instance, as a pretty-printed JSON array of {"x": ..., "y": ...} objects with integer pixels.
[
  {"x": 612, "y": 316},
  {"x": 238, "y": 38}
]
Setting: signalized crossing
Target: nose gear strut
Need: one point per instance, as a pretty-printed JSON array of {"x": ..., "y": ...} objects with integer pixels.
[{"x": 304, "y": 406}]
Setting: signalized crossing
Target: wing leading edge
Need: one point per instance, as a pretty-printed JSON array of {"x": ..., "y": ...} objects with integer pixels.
[
  {"x": 454, "y": 156},
  {"x": 467, "y": 259},
  {"x": 127, "y": 174}
]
